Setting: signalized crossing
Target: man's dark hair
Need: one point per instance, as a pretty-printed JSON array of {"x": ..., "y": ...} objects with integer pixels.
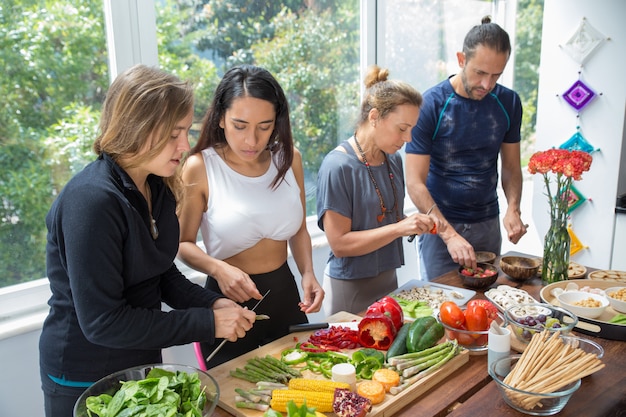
[{"x": 487, "y": 34}]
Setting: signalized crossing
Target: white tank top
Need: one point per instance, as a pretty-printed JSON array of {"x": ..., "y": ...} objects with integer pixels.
[{"x": 243, "y": 210}]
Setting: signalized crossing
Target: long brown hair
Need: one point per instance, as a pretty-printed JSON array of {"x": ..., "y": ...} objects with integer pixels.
[
  {"x": 257, "y": 82},
  {"x": 141, "y": 101}
]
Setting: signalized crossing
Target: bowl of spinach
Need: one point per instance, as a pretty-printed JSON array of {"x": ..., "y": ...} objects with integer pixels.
[{"x": 151, "y": 390}]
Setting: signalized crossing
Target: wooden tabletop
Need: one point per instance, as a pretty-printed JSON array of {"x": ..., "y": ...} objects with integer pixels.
[{"x": 471, "y": 392}]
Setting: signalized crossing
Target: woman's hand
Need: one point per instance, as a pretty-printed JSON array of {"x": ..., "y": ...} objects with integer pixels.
[
  {"x": 231, "y": 320},
  {"x": 236, "y": 284},
  {"x": 313, "y": 294},
  {"x": 419, "y": 224}
]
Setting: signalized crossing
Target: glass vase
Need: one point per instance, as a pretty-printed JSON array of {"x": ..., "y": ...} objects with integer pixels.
[{"x": 556, "y": 250}]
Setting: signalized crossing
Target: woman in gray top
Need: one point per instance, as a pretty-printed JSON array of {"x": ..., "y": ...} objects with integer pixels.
[{"x": 360, "y": 198}]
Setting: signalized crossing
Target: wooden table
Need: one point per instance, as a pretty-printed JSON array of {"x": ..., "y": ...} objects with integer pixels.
[{"x": 471, "y": 392}]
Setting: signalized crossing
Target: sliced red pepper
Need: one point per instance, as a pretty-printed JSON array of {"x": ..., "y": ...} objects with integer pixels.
[
  {"x": 376, "y": 331},
  {"x": 389, "y": 307}
]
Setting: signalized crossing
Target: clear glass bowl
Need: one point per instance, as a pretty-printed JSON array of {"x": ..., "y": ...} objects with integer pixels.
[
  {"x": 586, "y": 345},
  {"x": 528, "y": 402},
  {"x": 523, "y": 332},
  {"x": 474, "y": 341},
  {"x": 111, "y": 384}
]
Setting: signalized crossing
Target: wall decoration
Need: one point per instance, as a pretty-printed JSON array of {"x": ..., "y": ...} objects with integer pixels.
[
  {"x": 575, "y": 243},
  {"x": 583, "y": 42},
  {"x": 578, "y": 143},
  {"x": 579, "y": 95},
  {"x": 574, "y": 198}
]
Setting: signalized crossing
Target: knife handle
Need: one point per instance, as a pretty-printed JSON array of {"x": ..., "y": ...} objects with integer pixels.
[{"x": 294, "y": 328}]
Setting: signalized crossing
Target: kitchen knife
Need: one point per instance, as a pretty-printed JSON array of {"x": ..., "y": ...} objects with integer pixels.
[
  {"x": 221, "y": 345},
  {"x": 304, "y": 327}
]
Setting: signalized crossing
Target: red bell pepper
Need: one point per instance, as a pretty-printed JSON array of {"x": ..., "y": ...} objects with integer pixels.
[
  {"x": 376, "y": 331},
  {"x": 388, "y": 306}
]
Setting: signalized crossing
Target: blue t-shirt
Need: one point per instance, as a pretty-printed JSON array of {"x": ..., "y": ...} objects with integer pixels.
[{"x": 463, "y": 138}]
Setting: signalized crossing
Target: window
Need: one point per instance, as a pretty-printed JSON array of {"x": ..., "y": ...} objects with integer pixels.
[
  {"x": 312, "y": 48},
  {"x": 54, "y": 57}
]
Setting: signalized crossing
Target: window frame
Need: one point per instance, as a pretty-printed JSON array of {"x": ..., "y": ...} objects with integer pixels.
[{"x": 132, "y": 38}]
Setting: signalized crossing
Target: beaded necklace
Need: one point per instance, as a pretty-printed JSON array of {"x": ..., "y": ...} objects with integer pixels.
[{"x": 383, "y": 209}]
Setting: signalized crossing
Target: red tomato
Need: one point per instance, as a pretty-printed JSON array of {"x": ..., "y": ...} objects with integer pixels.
[
  {"x": 476, "y": 318},
  {"x": 389, "y": 307},
  {"x": 492, "y": 310},
  {"x": 451, "y": 314},
  {"x": 482, "y": 340},
  {"x": 465, "y": 339}
]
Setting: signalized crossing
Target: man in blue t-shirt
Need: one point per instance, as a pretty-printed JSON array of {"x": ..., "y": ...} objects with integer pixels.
[{"x": 465, "y": 123}]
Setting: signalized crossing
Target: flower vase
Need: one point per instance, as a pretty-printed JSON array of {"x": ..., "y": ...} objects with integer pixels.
[{"x": 556, "y": 250}]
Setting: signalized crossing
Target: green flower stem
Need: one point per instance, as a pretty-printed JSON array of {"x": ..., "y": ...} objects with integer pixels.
[{"x": 556, "y": 248}]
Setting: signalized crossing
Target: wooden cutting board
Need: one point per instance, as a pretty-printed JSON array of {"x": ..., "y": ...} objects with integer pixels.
[{"x": 391, "y": 404}]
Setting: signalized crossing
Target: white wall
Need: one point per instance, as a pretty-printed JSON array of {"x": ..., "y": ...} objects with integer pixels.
[{"x": 601, "y": 121}]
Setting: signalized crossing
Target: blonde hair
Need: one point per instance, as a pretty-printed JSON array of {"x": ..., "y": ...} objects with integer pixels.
[
  {"x": 143, "y": 101},
  {"x": 384, "y": 94}
]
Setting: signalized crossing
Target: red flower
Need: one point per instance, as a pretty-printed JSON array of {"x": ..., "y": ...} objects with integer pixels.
[{"x": 560, "y": 161}]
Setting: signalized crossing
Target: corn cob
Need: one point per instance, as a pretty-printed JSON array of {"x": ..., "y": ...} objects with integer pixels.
[
  {"x": 321, "y": 401},
  {"x": 318, "y": 385}
]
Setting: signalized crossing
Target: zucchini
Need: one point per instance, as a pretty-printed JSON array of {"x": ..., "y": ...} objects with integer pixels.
[
  {"x": 424, "y": 332},
  {"x": 398, "y": 347}
]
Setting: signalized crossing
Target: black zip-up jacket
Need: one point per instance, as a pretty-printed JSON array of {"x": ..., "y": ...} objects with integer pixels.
[{"x": 108, "y": 278}]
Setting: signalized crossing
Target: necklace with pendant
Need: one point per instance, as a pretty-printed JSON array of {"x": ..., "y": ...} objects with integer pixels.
[
  {"x": 383, "y": 209},
  {"x": 154, "y": 230}
]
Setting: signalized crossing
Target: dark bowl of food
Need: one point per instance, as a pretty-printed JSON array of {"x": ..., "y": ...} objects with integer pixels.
[
  {"x": 485, "y": 257},
  {"x": 520, "y": 268},
  {"x": 146, "y": 385},
  {"x": 482, "y": 276}
]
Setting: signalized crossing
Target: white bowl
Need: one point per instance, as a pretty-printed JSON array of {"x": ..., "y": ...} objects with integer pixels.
[
  {"x": 618, "y": 305},
  {"x": 569, "y": 298}
]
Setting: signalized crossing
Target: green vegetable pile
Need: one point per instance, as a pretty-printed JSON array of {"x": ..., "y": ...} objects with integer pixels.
[
  {"x": 161, "y": 394},
  {"x": 414, "y": 308},
  {"x": 292, "y": 411}
]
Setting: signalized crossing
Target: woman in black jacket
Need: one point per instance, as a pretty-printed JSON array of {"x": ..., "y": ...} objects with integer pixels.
[{"x": 112, "y": 239}]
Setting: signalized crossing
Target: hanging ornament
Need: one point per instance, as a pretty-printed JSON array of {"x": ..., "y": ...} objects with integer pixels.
[
  {"x": 585, "y": 40},
  {"x": 574, "y": 198},
  {"x": 579, "y": 95},
  {"x": 575, "y": 243},
  {"x": 578, "y": 143}
]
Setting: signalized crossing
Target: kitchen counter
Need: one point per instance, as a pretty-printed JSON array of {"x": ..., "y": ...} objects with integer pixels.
[{"x": 469, "y": 391}]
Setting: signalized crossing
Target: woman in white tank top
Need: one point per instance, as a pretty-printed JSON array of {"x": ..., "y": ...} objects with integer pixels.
[{"x": 244, "y": 191}]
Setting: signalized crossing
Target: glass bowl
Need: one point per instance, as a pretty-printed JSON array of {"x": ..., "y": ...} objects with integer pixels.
[
  {"x": 586, "y": 345},
  {"x": 474, "y": 341},
  {"x": 528, "y": 402},
  {"x": 521, "y": 312},
  {"x": 111, "y": 384}
]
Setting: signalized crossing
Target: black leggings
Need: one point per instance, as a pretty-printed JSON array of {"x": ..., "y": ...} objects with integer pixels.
[{"x": 281, "y": 304}]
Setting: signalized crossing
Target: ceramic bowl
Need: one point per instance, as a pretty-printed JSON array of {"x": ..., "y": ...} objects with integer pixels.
[
  {"x": 485, "y": 257},
  {"x": 520, "y": 267},
  {"x": 546, "y": 318},
  {"x": 618, "y": 304},
  {"x": 571, "y": 300},
  {"x": 537, "y": 404},
  {"x": 473, "y": 341},
  {"x": 486, "y": 275},
  {"x": 112, "y": 383}
]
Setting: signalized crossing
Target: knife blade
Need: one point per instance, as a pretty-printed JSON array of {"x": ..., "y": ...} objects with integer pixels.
[{"x": 221, "y": 345}]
